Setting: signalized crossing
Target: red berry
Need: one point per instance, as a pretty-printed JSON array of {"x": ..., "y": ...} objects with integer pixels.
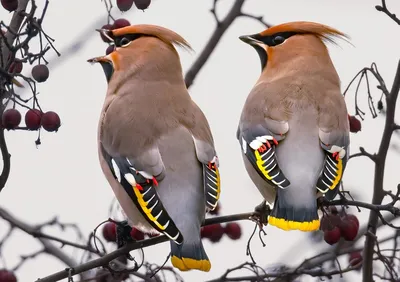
[
  {"x": 348, "y": 229},
  {"x": 33, "y": 119},
  {"x": 355, "y": 124},
  {"x": 216, "y": 210},
  {"x": 106, "y": 26},
  {"x": 109, "y": 49},
  {"x": 329, "y": 221},
  {"x": 214, "y": 232},
  {"x": 332, "y": 236},
  {"x": 16, "y": 66},
  {"x": 355, "y": 258},
  {"x": 7, "y": 276},
  {"x": 353, "y": 218},
  {"x": 137, "y": 234},
  {"x": 40, "y": 73},
  {"x": 119, "y": 23},
  {"x": 9, "y": 5},
  {"x": 11, "y": 118},
  {"x": 110, "y": 232},
  {"x": 51, "y": 121},
  {"x": 124, "y": 5},
  {"x": 233, "y": 230},
  {"x": 142, "y": 4}
]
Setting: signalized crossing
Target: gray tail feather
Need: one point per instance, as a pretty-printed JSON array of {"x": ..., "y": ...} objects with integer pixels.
[
  {"x": 288, "y": 215},
  {"x": 189, "y": 256}
]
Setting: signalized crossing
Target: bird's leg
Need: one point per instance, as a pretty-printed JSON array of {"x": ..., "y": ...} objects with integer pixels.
[
  {"x": 124, "y": 235},
  {"x": 262, "y": 212}
]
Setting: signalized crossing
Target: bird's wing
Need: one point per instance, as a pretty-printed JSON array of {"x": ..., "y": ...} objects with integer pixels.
[
  {"x": 335, "y": 141},
  {"x": 138, "y": 176},
  {"x": 207, "y": 155},
  {"x": 262, "y": 126}
]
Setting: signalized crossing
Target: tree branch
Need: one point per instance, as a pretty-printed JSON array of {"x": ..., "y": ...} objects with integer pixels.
[
  {"x": 383, "y": 8},
  {"x": 380, "y": 161},
  {"x": 14, "y": 26},
  {"x": 216, "y": 36},
  {"x": 48, "y": 247}
]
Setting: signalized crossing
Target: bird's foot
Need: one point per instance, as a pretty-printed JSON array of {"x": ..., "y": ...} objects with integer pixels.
[
  {"x": 262, "y": 212},
  {"x": 124, "y": 235}
]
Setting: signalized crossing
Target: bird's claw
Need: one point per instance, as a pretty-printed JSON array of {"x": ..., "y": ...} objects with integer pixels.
[
  {"x": 124, "y": 236},
  {"x": 261, "y": 214}
]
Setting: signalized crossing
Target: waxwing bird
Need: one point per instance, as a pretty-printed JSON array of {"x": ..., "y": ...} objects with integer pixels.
[
  {"x": 293, "y": 129},
  {"x": 155, "y": 145}
]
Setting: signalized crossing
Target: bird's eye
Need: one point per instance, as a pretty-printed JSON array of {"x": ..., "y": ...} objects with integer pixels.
[
  {"x": 124, "y": 42},
  {"x": 279, "y": 39}
]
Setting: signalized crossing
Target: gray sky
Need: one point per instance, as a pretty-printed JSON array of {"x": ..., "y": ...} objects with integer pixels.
[{"x": 63, "y": 176}]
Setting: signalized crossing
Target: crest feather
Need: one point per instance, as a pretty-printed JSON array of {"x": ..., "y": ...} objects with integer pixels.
[
  {"x": 162, "y": 33},
  {"x": 323, "y": 31}
]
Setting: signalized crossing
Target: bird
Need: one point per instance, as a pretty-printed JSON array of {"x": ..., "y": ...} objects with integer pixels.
[
  {"x": 293, "y": 129},
  {"x": 155, "y": 144}
]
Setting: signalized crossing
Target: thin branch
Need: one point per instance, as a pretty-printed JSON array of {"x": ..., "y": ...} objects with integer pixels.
[
  {"x": 260, "y": 19},
  {"x": 6, "y": 160},
  {"x": 383, "y": 8},
  {"x": 212, "y": 43},
  {"x": 48, "y": 247},
  {"x": 363, "y": 153}
]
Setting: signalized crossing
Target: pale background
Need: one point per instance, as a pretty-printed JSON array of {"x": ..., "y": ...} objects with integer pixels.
[{"x": 62, "y": 177}]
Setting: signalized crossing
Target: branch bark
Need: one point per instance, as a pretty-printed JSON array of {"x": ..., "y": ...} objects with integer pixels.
[{"x": 380, "y": 162}]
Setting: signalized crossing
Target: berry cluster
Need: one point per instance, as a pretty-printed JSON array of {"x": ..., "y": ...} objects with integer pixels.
[
  {"x": 337, "y": 225},
  {"x": 110, "y": 233},
  {"x": 34, "y": 119},
  {"x": 214, "y": 232},
  {"x": 125, "y": 5}
]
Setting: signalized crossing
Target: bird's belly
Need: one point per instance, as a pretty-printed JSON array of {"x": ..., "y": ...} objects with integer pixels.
[{"x": 300, "y": 155}]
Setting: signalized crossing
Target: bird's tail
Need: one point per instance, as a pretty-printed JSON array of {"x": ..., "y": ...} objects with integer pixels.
[
  {"x": 289, "y": 214},
  {"x": 189, "y": 256}
]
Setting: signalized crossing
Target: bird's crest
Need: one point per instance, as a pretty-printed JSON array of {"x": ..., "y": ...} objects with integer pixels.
[
  {"x": 320, "y": 30},
  {"x": 164, "y": 34}
]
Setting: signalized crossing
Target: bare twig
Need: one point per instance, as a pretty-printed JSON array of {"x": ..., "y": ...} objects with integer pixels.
[
  {"x": 220, "y": 29},
  {"x": 383, "y": 8},
  {"x": 48, "y": 247}
]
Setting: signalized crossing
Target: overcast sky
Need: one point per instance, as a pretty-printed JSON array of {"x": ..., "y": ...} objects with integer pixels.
[{"x": 62, "y": 177}]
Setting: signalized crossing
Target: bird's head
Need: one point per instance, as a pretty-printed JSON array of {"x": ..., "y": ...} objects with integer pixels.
[
  {"x": 291, "y": 39},
  {"x": 136, "y": 45}
]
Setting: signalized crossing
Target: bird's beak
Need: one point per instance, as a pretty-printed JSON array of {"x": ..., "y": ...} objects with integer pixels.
[
  {"x": 101, "y": 59},
  {"x": 249, "y": 39},
  {"x": 106, "y": 33}
]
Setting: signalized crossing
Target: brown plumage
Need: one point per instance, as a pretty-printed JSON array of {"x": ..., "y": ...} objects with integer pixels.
[
  {"x": 150, "y": 125},
  {"x": 294, "y": 121}
]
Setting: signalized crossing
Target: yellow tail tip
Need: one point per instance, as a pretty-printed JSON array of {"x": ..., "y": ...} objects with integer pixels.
[
  {"x": 294, "y": 225},
  {"x": 186, "y": 264}
]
